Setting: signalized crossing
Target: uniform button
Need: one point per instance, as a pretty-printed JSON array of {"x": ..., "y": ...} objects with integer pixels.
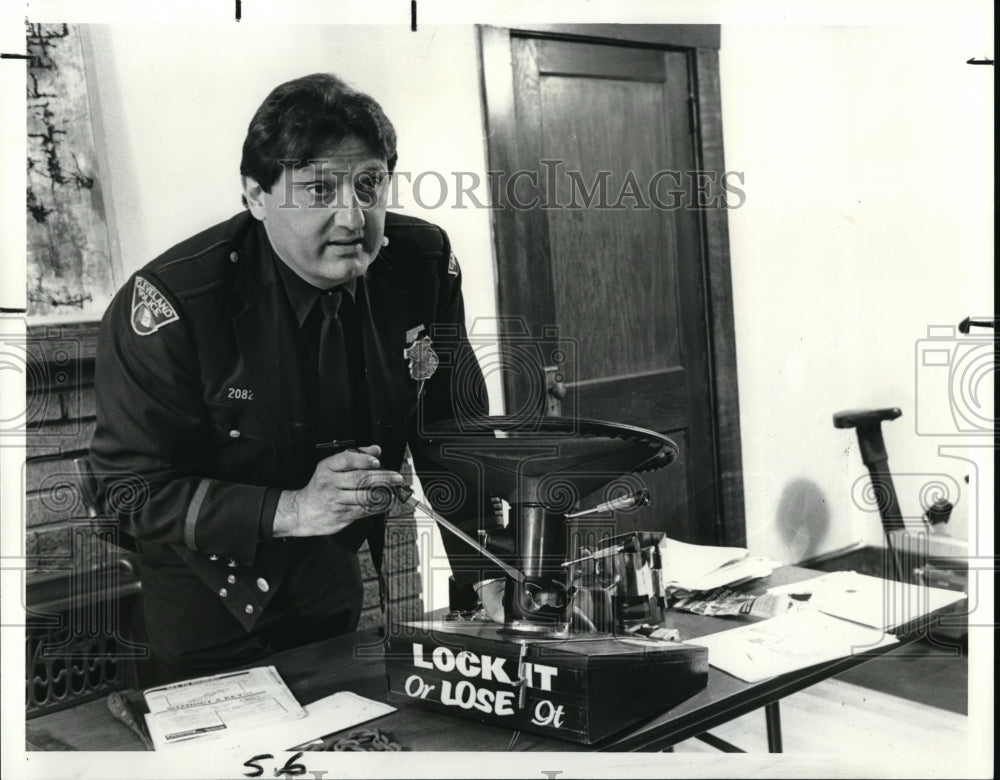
[
  {"x": 234, "y": 256},
  {"x": 231, "y": 579},
  {"x": 223, "y": 592},
  {"x": 232, "y": 564},
  {"x": 249, "y": 609},
  {"x": 234, "y": 434},
  {"x": 262, "y": 584},
  {"x": 213, "y": 557}
]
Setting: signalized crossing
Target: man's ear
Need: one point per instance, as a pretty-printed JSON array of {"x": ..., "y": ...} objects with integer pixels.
[{"x": 253, "y": 196}]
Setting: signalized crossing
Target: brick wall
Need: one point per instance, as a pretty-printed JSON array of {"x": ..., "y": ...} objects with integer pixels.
[
  {"x": 60, "y": 423},
  {"x": 402, "y": 585}
]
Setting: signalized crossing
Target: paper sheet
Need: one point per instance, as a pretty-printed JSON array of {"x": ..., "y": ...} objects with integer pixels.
[
  {"x": 870, "y": 601},
  {"x": 328, "y": 715},
  {"x": 210, "y": 707},
  {"x": 787, "y": 643},
  {"x": 698, "y": 567},
  {"x": 685, "y": 561},
  {"x": 323, "y": 717}
]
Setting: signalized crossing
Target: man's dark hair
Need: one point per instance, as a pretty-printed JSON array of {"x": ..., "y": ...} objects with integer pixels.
[{"x": 304, "y": 119}]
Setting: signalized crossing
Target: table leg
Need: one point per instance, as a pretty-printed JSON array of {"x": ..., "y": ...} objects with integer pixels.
[
  {"x": 720, "y": 744},
  {"x": 772, "y": 714}
]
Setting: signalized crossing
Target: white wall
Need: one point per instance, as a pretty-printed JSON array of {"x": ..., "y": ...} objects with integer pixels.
[
  {"x": 177, "y": 104},
  {"x": 868, "y": 218},
  {"x": 868, "y": 162}
]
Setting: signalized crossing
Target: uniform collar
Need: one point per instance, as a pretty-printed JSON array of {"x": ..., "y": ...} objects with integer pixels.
[{"x": 301, "y": 295}]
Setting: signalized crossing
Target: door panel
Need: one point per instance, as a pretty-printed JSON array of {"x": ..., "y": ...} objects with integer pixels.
[
  {"x": 620, "y": 275},
  {"x": 592, "y": 249}
]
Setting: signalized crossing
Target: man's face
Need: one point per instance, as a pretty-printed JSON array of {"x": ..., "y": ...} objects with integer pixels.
[{"x": 326, "y": 219}]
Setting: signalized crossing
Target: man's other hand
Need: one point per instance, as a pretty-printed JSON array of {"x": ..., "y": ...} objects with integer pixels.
[{"x": 344, "y": 487}]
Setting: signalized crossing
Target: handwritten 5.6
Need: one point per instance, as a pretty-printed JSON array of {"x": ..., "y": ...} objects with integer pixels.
[{"x": 291, "y": 768}]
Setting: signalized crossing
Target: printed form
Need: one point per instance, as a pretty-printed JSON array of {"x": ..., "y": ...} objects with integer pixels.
[{"x": 213, "y": 706}]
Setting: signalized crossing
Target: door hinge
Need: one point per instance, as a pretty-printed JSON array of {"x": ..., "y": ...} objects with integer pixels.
[{"x": 692, "y": 115}]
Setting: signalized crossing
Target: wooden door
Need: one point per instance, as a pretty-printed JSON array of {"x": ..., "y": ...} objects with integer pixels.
[{"x": 602, "y": 250}]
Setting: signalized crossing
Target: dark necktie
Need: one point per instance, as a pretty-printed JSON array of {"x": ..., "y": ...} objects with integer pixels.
[{"x": 335, "y": 415}]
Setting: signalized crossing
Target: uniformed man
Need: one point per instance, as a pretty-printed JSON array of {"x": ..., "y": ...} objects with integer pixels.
[{"x": 257, "y": 380}]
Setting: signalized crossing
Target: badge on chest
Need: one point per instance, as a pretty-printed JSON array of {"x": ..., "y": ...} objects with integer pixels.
[{"x": 422, "y": 359}]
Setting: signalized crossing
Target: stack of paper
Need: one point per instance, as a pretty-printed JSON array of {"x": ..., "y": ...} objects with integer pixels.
[
  {"x": 251, "y": 709},
  {"x": 327, "y": 716},
  {"x": 210, "y": 707},
  {"x": 787, "y": 643},
  {"x": 871, "y": 601},
  {"x": 837, "y": 615},
  {"x": 696, "y": 567}
]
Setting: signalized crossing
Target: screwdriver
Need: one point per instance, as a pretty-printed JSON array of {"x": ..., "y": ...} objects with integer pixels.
[{"x": 638, "y": 498}]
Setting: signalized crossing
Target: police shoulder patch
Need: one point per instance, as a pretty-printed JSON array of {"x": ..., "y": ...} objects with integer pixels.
[
  {"x": 453, "y": 265},
  {"x": 150, "y": 308}
]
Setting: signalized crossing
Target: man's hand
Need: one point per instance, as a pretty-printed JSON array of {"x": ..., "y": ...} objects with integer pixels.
[{"x": 344, "y": 487}]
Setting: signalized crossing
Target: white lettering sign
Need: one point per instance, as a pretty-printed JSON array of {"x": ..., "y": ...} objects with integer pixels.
[
  {"x": 547, "y": 714},
  {"x": 467, "y": 696},
  {"x": 485, "y": 666},
  {"x": 416, "y": 687}
]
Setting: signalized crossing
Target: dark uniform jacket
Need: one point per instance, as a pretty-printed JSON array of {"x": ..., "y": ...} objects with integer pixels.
[{"x": 201, "y": 416}]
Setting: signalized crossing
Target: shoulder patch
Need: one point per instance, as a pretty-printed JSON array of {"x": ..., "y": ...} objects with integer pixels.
[
  {"x": 150, "y": 308},
  {"x": 453, "y": 265}
]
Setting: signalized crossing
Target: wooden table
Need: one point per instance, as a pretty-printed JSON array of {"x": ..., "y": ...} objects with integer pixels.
[{"x": 354, "y": 663}]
